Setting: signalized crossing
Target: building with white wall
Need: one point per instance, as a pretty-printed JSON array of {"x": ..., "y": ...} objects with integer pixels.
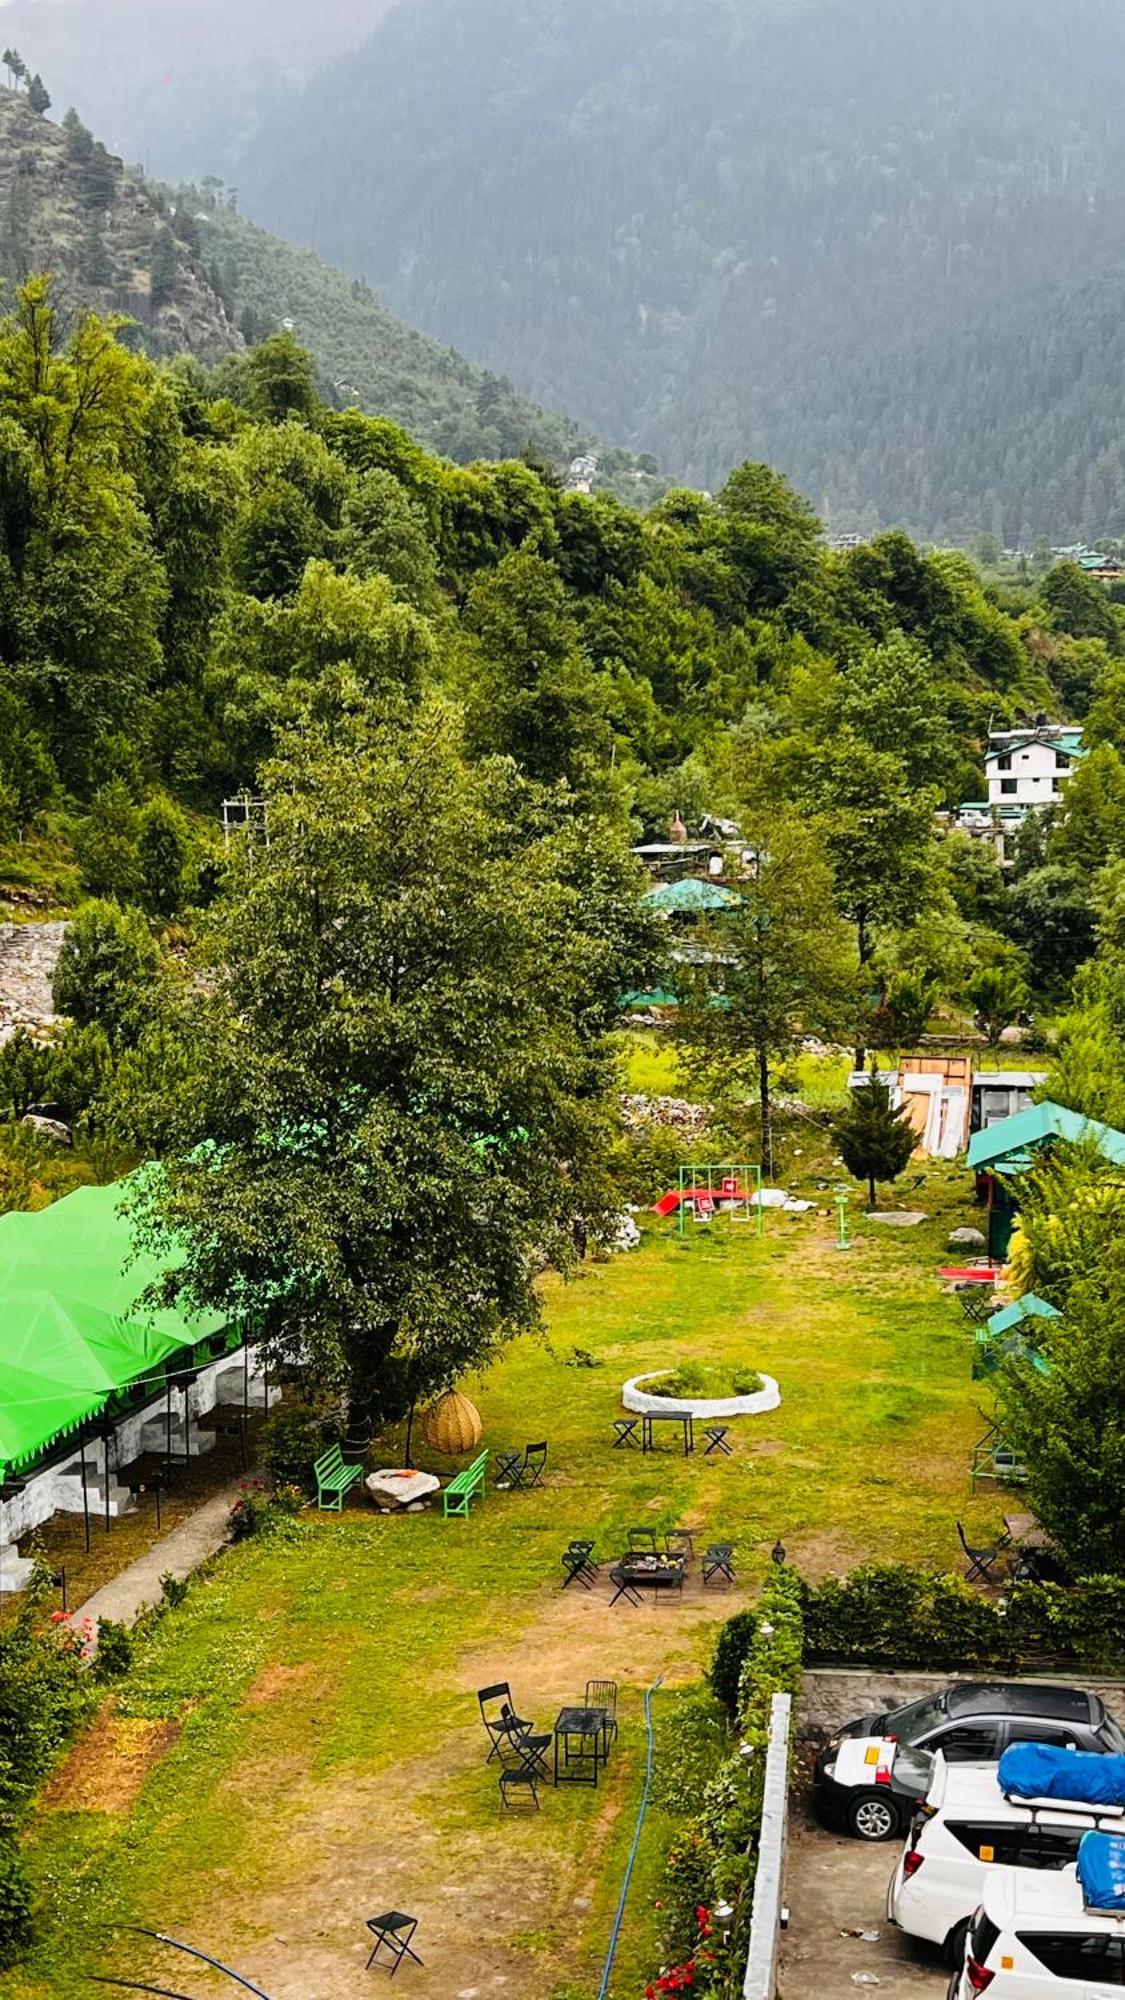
[{"x": 1025, "y": 769}]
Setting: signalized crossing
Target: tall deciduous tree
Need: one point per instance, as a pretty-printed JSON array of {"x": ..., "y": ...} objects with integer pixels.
[
  {"x": 779, "y": 967},
  {"x": 401, "y": 1057}
]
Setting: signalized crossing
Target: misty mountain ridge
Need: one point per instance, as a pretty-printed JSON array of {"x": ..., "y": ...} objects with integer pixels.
[{"x": 713, "y": 228}]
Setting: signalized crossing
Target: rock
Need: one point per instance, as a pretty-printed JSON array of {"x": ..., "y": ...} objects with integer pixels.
[
  {"x": 968, "y": 1239},
  {"x": 49, "y": 1128},
  {"x": 897, "y": 1218},
  {"x": 28, "y": 956},
  {"x": 397, "y": 1489},
  {"x": 639, "y": 1112}
]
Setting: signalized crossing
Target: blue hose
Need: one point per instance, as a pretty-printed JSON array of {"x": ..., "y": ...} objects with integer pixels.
[{"x": 622, "y": 1899}]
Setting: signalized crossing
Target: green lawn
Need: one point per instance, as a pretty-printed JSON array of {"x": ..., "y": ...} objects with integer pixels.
[{"x": 325, "y": 1759}]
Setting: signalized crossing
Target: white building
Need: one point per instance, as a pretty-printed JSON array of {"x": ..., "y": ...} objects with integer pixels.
[{"x": 1025, "y": 769}]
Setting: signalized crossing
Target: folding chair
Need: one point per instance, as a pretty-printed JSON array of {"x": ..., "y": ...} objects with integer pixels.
[
  {"x": 505, "y": 1725},
  {"x": 576, "y": 1560},
  {"x": 626, "y": 1429},
  {"x": 515, "y": 1783},
  {"x": 680, "y": 1542},
  {"x": 643, "y": 1538},
  {"x": 716, "y": 1435},
  {"x": 624, "y": 1586},
  {"x": 394, "y": 1930},
  {"x": 717, "y": 1562},
  {"x": 981, "y": 1561},
  {"x": 533, "y": 1467}
]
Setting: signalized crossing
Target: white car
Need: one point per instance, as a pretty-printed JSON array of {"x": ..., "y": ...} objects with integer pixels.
[
  {"x": 1034, "y": 1939},
  {"x": 965, "y": 1829}
]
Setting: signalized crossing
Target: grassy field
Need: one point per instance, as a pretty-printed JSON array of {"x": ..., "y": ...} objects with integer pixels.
[{"x": 299, "y": 1746}]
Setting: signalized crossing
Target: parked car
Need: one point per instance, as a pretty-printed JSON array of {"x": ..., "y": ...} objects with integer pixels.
[
  {"x": 967, "y": 1827},
  {"x": 1034, "y": 1939},
  {"x": 873, "y": 1772}
]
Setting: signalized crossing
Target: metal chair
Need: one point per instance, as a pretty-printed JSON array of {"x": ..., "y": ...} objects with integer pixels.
[
  {"x": 981, "y": 1561},
  {"x": 716, "y": 1435},
  {"x": 578, "y": 1564},
  {"x": 717, "y": 1562},
  {"x": 644, "y": 1539},
  {"x": 626, "y": 1429},
  {"x": 680, "y": 1542},
  {"x": 603, "y": 1694},
  {"x": 515, "y": 1783},
  {"x": 505, "y": 1725},
  {"x": 534, "y": 1465}
]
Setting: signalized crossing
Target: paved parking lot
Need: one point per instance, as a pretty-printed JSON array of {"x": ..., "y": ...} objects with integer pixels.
[{"x": 835, "y": 1885}]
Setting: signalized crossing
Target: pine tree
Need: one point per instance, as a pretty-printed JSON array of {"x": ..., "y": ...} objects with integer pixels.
[
  {"x": 38, "y": 96},
  {"x": 876, "y": 1140}
]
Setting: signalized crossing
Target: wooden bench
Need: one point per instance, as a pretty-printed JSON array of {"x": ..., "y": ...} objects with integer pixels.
[
  {"x": 334, "y": 1479},
  {"x": 464, "y": 1487}
]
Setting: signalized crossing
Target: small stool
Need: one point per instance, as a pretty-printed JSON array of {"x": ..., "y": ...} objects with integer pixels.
[
  {"x": 507, "y": 1465},
  {"x": 394, "y": 1930},
  {"x": 717, "y": 1435},
  {"x": 626, "y": 1428},
  {"x": 515, "y": 1783}
]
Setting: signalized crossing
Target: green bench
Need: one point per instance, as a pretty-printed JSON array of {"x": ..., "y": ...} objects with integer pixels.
[
  {"x": 334, "y": 1479},
  {"x": 460, "y": 1492}
]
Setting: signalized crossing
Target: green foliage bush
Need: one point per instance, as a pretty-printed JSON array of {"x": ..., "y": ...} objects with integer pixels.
[
  {"x": 894, "y": 1615},
  {"x": 697, "y": 1380},
  {"x": 293, "y": 1438},
  {"x": 107, "y": 971},
  {"x": 114, "y": 1655},
  {"x": 15, "y": 1902}
]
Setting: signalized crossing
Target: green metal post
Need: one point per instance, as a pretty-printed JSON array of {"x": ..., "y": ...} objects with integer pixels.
[{"x": 843, "y": 1241}]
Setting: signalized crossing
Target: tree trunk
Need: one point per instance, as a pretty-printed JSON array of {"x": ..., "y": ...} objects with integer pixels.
[
  {"x": 863, "y": 947},
  {"x": 764, "y": 1107},
  {"x": 871, "y": 1188},
  {"x": 406, "y": 1458}
]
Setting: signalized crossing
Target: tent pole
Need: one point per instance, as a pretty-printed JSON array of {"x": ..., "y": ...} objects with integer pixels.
[
  {"x": 187, "y": 1426},
  {"x": 107, "y": 1479},
  {"x": 168, "y": 1428},
  {"x": 85, "y": 1491},
  {"x": 246, "y": 1378}
]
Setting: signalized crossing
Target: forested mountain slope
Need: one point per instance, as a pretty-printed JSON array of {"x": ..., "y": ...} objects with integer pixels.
[
  {"x": 719, "y": 227},
  {"x": 68, "y": 206},
  {"x": 199, "y": 279}
]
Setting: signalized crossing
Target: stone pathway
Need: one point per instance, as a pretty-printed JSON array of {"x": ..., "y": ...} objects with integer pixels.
[
  {"x": 28, "y": 956},
  {"x": 176, "y": 1554}
]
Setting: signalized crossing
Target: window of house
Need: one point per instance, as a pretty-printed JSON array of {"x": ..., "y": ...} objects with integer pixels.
[
  {"x": 1004, "y": 763},
  {"x": 1008, "y": 786}
]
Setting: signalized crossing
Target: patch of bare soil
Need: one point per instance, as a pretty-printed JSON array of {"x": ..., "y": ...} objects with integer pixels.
[
  {"x": 276, "y": 1682},
  {"x": 105, "y": 1771}
]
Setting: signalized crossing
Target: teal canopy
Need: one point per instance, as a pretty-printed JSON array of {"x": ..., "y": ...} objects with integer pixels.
[
  {"x": 75, "y": 1328},
  {"x": 1030, "y": 1306},
  {"x": 691, "y": 897},
  {"x": 1009, "y": 1146}
]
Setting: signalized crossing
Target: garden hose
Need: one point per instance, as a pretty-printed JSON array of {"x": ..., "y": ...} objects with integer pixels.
[{"x": 643, "y": 1808}]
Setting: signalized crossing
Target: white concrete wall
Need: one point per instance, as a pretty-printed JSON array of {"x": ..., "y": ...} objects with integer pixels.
[{"x": 1038, "y": 780}]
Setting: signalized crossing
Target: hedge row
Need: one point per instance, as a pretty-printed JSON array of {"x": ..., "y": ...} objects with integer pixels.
[
  {"x": 892, "y": 1615},
  {"x": 889, "y": 1615}
]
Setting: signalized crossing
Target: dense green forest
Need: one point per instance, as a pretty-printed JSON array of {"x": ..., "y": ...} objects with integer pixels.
[
  {"x": 878, "y": 245},
  {"x": 185, "y": 553}
]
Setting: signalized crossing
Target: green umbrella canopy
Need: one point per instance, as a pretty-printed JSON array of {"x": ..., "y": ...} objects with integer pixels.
[{"x": 691, "y": 896}]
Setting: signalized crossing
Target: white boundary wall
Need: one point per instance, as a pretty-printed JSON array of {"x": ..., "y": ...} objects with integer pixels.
[
  {"x": 760, "y": 1982},
  {"x": 635, "y": 1398}
]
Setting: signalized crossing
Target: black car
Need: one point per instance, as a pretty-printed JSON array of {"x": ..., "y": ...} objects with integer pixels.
[{"x": 871, "y": 1774}]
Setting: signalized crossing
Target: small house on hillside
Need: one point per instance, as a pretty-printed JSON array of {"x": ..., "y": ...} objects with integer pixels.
[{"x": 1025, "y": 769}]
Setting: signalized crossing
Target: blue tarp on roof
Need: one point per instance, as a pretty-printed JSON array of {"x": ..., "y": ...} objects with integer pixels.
[
  {"x": 1009, "y": 1147},
  {"x": 1101, "y": 1871},
  {"x": 1041, "y": 1771}
]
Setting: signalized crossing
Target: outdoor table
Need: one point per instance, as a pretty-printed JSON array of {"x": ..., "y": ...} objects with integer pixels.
[
  {"x": 637, "y": 1570},
  {"x": 682, "y": 1417},
  {"x": 1024, "y": 1532},
  {"x": 582, "y": 1726}
]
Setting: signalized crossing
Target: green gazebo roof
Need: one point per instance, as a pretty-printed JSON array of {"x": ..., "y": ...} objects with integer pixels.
[{"x": 691, "y": 896}]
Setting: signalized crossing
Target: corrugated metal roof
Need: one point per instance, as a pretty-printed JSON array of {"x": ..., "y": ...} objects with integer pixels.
[{"x": 1009, "y": 1146}]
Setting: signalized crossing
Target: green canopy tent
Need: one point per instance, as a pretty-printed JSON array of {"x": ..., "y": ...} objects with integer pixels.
[
  {"x": 690, "y": 897},
  {"x": 75, "y": 1328}
]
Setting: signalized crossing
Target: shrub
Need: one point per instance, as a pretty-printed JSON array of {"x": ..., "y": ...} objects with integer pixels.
[
  {"x": 15, "y": 1902},
  {"x": 697, "y": 1380},
  {"x": 731, "y": 1649},
  {"x": 293, "y": 1438},
  {"x": 107, "y": 971},
  {"x": 174, "y": 1589},
  {"x": 114, "y": 1656},
  {"x": 892, "y": 1615}
]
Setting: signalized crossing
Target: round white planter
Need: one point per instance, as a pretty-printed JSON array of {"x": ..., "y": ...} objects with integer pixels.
[{"x": 634, "y": 1397}]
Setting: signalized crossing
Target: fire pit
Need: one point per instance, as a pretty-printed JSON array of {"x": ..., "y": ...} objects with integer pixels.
[{"x": 401, "y": 1490}]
